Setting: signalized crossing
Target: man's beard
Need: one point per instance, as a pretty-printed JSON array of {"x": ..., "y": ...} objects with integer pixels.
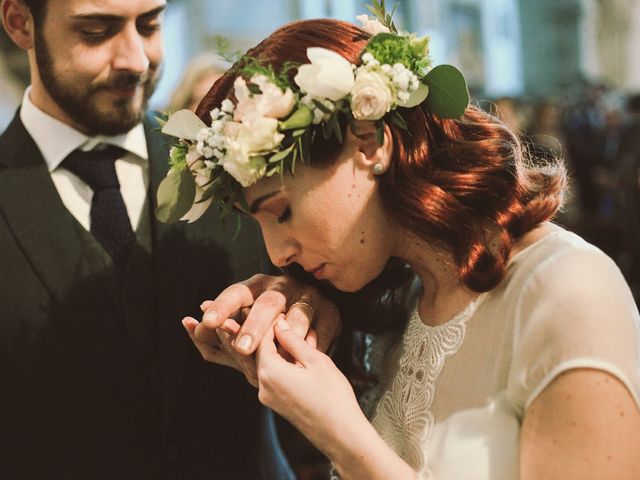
[{"x": 80, "y": 102}]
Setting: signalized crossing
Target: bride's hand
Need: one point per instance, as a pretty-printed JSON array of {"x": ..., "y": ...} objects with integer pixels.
[
  {"x": 311, "y": 392},
  {"x": 249, "y": 309},
  {"x": 217, "y": 345}
]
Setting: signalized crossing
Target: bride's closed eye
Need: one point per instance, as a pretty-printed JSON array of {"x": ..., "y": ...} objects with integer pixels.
[{"x": 285, "y": 215}]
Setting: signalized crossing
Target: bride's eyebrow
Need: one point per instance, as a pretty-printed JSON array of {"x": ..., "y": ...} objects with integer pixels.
[{"x": 255, "y": 205}]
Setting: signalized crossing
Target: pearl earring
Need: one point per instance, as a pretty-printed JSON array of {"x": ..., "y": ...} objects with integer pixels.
[{"x": 378, "y": 169}]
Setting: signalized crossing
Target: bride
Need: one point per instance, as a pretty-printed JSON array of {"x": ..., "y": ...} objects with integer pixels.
[{"x": 521, "y": 356}]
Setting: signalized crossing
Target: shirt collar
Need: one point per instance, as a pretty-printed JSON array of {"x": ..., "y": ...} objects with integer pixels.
[{"x": 56, "y": 139}]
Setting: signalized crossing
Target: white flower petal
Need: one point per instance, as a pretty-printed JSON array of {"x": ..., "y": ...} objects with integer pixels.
[{"x": 184, "y": 124}]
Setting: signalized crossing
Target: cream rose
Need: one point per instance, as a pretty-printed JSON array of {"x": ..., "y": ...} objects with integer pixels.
[
  {"x": 272, "y": 102},
  {"x": 246, "y": 169},
  {"x": 245, "y": 142},
  {"x": 260, "y": 134},
  {"x": 329, "y": 75},
  {"x": 371, "y": 96}
]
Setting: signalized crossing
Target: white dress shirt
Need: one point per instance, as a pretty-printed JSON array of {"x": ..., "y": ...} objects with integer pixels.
[{"x": 56, "y": 140}]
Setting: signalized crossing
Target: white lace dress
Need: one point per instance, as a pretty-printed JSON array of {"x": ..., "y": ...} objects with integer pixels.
[{"x": 454, "y": 395}]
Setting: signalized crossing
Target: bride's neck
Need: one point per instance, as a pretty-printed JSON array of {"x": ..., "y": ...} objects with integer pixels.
[{"x": 443, "y": 294}]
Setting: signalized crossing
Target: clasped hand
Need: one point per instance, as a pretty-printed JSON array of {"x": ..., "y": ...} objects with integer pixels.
[{"x": 235, "y": 323}]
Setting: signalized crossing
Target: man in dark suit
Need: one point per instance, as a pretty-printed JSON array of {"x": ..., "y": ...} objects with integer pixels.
[{"x": 98, "y": 378}]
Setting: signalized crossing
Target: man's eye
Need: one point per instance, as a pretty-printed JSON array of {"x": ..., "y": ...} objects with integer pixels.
[
  {"x": 95, "y": 35},
  {"x": 148, "y": 29},
  {"x": 285, "y": 215}
]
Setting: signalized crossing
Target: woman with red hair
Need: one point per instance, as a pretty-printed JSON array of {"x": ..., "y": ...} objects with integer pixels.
[{"x": 520, "y": 356}]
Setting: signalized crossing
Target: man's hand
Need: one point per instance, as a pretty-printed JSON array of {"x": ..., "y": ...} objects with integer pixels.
[{"x": 234, "y": 324}]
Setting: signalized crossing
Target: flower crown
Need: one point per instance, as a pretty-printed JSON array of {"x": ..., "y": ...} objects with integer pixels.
[{"x": 274, "y": 123}]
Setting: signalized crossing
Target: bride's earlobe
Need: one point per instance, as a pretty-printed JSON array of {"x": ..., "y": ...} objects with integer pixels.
[{"x": 374, "y": 156}]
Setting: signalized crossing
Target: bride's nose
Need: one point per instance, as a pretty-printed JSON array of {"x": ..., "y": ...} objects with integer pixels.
[{"x": 281, "y": 250}]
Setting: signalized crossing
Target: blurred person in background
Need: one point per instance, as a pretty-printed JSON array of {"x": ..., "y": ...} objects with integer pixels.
[
  {"x": 628, "y": 193},
  {"x": 99, "y": 381},
  {"x": 509, "y": 110},
  {"x": 200, "y": 74},
  {"x": 585, "y": 135}
]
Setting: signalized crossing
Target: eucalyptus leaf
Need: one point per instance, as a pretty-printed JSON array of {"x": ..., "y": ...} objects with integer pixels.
[
  {"x": 448, "y": 94},
  {"x": 176, "y": 194},
  {"x": 416, "y": 97}
]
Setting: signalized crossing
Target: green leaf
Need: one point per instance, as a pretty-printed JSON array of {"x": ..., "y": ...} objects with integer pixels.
[
  {"x": 278, "y": 157},
  {"x": 301, "y": 118},
  {"x": 448, "y": 94},
  {"x": 380, "y": 132},
  {"x": 321, "y": 107},
  {"x": 416, "y": 97},
  {"x": 399, "y": 120},
  {"x": 337, "y": 130},
  {"x": 176, "y": 194}
]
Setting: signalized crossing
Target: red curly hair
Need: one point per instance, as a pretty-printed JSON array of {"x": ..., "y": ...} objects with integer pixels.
[{"x": 449, "y": 179}]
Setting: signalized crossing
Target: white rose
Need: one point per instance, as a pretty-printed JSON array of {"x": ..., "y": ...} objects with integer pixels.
[
  {"x": 329, "y": 75},
  {"x": 371, "y": 25},
  {"x": 371, "y": 96}
]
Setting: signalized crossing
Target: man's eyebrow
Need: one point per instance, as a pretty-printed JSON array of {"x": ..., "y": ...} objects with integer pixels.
[
  {"x": 255, "y": 205},
  {"x": 111, "y": 18}
]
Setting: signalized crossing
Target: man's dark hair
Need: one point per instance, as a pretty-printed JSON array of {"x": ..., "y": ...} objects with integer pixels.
[{"x": 38, "y": 10}]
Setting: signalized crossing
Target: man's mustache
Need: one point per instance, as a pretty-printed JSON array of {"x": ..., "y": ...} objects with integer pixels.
[{"x": 125, "y": 80}]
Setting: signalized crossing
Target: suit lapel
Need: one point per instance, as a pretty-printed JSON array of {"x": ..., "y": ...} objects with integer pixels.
[{"x": 51, "y": 239}]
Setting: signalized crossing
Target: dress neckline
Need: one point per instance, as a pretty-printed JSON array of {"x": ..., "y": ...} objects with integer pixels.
[{"x": 461, "y": 317}]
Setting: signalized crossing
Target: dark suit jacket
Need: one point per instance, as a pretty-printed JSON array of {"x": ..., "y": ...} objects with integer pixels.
[{"x": 76, "y": 401}]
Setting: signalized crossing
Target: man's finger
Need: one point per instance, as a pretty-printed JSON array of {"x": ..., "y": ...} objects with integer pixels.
[
  {"x": 263, "y": 314},
  {"x": 230, "y": 301},
  {"x": 300, "y": 317},
  {"x": 209, "y": 352}
]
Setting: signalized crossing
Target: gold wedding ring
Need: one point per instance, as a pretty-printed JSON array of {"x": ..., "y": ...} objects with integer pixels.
[{"x": 304, "y": 305}]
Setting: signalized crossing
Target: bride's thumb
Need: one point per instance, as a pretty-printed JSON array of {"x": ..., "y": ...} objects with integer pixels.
[{"x": 292, "y": 343}]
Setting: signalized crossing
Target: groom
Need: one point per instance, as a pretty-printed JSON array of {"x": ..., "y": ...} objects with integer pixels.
[{"x": 99, "y": 379}]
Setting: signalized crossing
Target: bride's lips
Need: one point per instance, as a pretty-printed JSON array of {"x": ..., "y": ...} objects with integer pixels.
[{"x": 318, "y": 271}]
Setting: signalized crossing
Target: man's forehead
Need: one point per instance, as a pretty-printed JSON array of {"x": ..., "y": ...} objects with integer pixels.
[{"x": 120, "y": 8}]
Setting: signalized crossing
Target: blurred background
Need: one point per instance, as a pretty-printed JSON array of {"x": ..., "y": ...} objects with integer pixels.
[{"x": 563, "y": 73}]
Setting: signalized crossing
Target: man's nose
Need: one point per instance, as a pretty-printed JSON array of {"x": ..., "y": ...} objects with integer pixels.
[{"x": 130, "y": 54}]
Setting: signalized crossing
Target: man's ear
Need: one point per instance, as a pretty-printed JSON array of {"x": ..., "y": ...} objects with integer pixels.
[
  {"x": 18, "y": 23},
  {"x": 370, "y": 152}
]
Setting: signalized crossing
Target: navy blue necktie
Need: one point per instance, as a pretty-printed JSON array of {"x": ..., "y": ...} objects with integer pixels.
[{"x": 110, "y": 224}]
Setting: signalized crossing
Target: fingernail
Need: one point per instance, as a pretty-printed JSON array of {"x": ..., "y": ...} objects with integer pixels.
[
  {"x": 205, "y": 304},
  {"x": 283, "y": 325},
  {"x": 210, "y": 316},
  {"x": 245, "y": 342}
]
